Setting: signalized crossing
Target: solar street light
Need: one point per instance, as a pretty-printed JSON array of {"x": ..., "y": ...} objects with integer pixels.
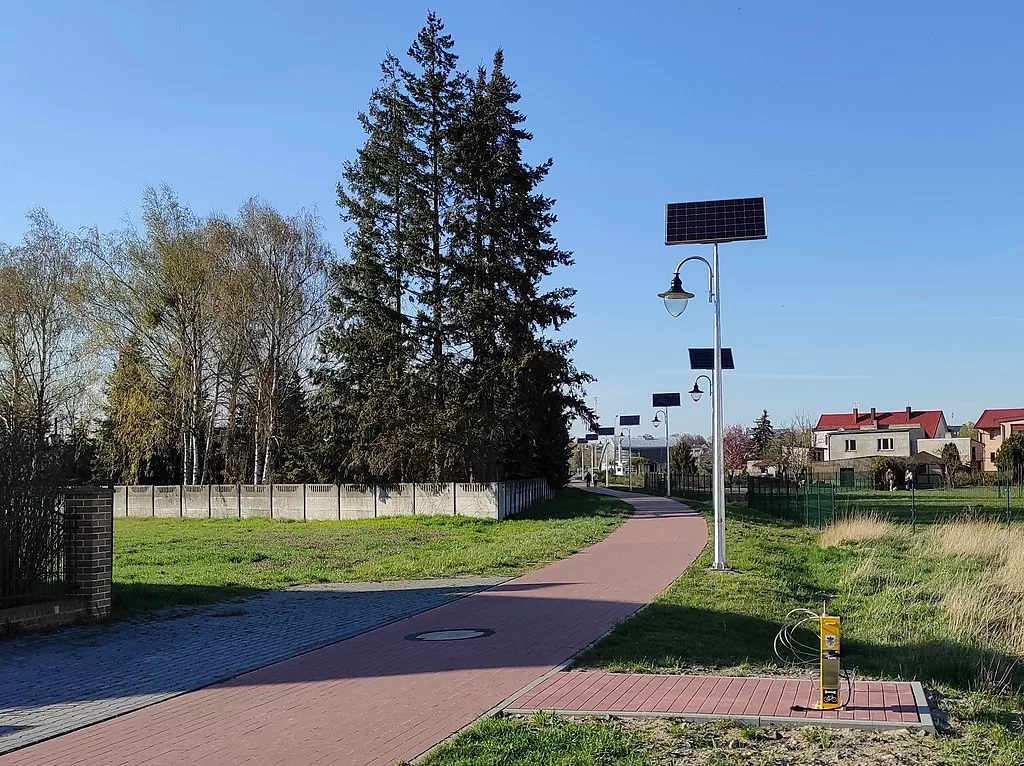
[{"x": 711, "y": 222}]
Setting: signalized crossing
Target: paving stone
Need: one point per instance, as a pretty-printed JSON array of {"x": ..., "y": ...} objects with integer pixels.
[{"x": 51, "y": 684}]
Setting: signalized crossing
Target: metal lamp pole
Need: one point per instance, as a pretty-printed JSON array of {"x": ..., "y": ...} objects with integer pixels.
[
  {"x": 695, "y": 394},
  {"x": 676, "y": 299},
  {"x": 629, "y": 455},
  {"x": 668, "y": 450}
]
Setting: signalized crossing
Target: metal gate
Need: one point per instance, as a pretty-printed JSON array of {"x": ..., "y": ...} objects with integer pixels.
[{"x": 35, "y": 549}]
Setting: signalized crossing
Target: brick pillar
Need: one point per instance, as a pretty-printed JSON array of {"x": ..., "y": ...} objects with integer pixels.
[{"x": 92, "y": 511}]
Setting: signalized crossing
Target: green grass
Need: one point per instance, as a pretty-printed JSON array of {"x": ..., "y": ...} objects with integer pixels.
[
  {"x": 546, "y": 741},
  {"x": 170, "y": 562},
  {"x": 931, "y": 504},
  {"x": 890, "y": 595}
]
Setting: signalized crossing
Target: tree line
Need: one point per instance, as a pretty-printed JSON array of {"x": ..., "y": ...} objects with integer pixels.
[{"x": 240, "y": 348}]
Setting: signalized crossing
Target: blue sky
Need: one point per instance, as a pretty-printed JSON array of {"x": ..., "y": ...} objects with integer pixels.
[{"x": 886, "y": 138}]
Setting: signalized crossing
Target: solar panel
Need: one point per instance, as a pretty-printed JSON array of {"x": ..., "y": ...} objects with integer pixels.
[
  {"x": 629, "y": 420},
  {"x": 724, "y": 220},
  {"x": 665, "y": 400},
  {"x": 581, "y": 440},
  {"x": 704, "y": 359},
  {"x": 608, "y": 431},
  {"x": 591, "y": 437}
]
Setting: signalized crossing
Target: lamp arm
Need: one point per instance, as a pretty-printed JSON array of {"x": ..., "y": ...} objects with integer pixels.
[
  {"x": 711, "y": 386},
  {"x": 711, "y": 273}
]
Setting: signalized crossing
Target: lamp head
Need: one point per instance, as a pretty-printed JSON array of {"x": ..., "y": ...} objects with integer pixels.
[
  {"x": 657, "y": 420},
  {"x": 695, "y": 392},
  {"x": 676, "y": 298}
]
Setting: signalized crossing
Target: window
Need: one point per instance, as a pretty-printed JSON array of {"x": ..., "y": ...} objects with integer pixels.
[
  {"x": 885, "y": 444},
  {"x": 851, "y": 445},
  {"x": 992, "y": 456}
]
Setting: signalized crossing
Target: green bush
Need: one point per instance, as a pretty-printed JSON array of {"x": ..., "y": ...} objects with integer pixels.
[{"x": 882, "y": 464}]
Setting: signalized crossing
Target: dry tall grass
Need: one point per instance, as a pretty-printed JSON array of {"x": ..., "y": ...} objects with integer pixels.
[
  {"x": 986, "y": 607},
  {"x": 981, "y": 612},
  {"x": 861, "y": 529},
  {"x": 982, "y": 540}
]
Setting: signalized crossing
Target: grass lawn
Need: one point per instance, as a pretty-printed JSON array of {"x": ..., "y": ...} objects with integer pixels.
[
  {"x": 943, "y": 604},
  {"x": 931, "y": 504},
  {"x": 169, "y": 562}
]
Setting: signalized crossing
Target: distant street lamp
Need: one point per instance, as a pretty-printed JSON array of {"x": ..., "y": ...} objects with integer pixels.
[
  {"x": 668, "y": 454},
  {"x": 629, "y": 454}
]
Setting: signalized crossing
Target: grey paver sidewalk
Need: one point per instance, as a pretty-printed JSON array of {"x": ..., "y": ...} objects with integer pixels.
[{"x": 60, "y": 682}]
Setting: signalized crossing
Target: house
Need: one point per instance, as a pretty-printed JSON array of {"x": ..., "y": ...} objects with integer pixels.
[
  {"x": 971, "y": 450},
  {"x": 994, "y": 426},
  {"x": 856, "y": 435}
]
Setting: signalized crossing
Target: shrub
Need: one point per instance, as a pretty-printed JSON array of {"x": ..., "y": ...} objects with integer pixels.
[{"x": 883, "y": 464}]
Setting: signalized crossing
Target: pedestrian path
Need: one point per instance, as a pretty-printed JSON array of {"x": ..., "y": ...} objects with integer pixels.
[
  {"x": 56, "y": 683},
  {"x": 386, "y": 695},
  {"x": 756, "y": 701}
]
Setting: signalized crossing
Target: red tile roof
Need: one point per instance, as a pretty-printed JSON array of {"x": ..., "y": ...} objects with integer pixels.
[
  {"x": 927, "y": 419},
  {"x": 992, "y": 418}
]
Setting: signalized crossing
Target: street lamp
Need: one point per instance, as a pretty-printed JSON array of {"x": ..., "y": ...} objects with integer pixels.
[
  {"x": 676, "y": 300},
  {"x": 712, "y": 222},
  {"x": 668, "y": 453},
  {"x": 696, "y": 393},
  {"x": 628, "y": 420},
  {"x": 629, "y": 454}
]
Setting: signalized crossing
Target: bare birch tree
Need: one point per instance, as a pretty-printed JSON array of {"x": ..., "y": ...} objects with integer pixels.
[{"x": 44, "y": 370}]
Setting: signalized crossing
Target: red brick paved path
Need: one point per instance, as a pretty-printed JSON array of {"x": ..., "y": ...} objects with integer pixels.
[
  {"x": 758, "y": 700},
  {"x": 379, "y": 697}
]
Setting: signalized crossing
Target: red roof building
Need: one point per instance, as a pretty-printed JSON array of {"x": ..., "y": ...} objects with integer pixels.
[
  {"x": 990, "y": 419},
  {"x": 932, "y": 421},
  {"x": 994, "y": 426}
]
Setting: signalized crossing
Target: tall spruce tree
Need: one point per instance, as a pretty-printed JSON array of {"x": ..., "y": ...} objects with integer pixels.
[
  {"x": 763, "y": 438},
  {"x": 435, "y": 92},
  {"x": 364, "y": 387},
  {"x": 519, "y": 383},
  {"x": 440, "y": 362}
]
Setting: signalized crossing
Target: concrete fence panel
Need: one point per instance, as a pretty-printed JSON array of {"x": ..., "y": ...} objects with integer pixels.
[
  {"x": 120, "y": 500},
  {"x": 254, "y": 501},
  {"x": 167, "y": 501},
  {"x": 435, "y": 499},
  {"x": 477, "y": 499},
  {"x": 286, "y": 502},
  {"x": 224, "y": 501},
  {"x": 328, "y": 502},
  {"x": 357, "y": 501},
  {"x": 195, "y": 501},
  {"x": 397, "y": 500},
  {"x": 140, "y": 500},
  {"x": 322, "y": 502}
]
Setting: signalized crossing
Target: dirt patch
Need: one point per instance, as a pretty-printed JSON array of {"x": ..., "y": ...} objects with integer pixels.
[{"x": 725, "y": 744}]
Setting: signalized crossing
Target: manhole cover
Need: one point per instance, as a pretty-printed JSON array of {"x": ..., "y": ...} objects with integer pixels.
[{"x": 459, "y": 634}]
